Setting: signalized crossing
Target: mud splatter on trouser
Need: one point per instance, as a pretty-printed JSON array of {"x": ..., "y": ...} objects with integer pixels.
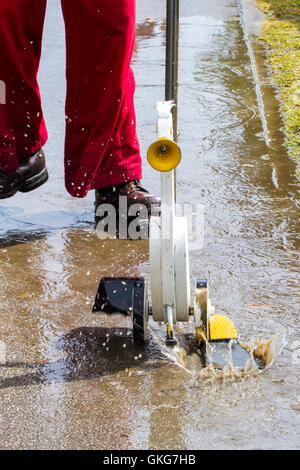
[{"x": 101, "y": 147}]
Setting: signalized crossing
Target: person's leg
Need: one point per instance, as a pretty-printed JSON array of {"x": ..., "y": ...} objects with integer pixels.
[
  {"x": 22, "y": 127},
  {"x": 102, "y": 147},
  {"x": 122, "y": 161}
]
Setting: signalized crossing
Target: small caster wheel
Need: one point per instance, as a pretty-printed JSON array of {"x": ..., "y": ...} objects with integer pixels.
[
  {"x": 140, "y": 313},
  {"x": 171, "y": 342}
]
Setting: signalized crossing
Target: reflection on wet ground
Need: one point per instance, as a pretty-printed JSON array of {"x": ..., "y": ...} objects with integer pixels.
[
  {"x": 89, "y": 353},
  {"x": 73, "y": 379}
]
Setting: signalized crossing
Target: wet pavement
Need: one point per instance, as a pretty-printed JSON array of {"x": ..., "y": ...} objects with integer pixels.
[{"x": 74, "y": 380}]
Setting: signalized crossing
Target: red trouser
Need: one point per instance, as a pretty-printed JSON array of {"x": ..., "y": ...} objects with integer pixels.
[{"x": 102, "y": 147}]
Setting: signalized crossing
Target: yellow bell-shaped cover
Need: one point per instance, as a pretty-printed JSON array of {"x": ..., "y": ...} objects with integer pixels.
[
  {"x": 164, "y": 154},
  {"x": 220, "y": 327}
]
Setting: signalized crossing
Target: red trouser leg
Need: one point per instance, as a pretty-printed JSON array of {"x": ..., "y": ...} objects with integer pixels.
[
  {"x": 102, "y": 148},
  {"x": 22, "y": 127}
]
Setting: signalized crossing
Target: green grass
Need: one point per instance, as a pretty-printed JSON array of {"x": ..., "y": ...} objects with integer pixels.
[{"x": 281, "y": 32}]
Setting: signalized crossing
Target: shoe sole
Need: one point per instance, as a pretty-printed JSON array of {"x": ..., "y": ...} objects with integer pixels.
[{"x": 29, "y": 185}]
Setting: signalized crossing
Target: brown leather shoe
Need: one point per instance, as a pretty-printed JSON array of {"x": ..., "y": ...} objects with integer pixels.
[
  {"x": 31, "y": 174},
  {"x": 134, "y": 192}
]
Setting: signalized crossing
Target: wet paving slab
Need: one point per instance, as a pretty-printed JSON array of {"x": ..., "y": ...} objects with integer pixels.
[{"x": 73, "y": 379}]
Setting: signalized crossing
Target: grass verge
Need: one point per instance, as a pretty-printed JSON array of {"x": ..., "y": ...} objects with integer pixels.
[{"x": 281, "y": 32}]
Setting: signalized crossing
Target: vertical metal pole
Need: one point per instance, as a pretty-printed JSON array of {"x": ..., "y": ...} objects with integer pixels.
[
  {"x": 172, "y": 36},
  {"x": 171, "y": 79}
]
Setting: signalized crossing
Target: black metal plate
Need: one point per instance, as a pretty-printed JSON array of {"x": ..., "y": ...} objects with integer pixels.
[{"x": 115, "y": 294}]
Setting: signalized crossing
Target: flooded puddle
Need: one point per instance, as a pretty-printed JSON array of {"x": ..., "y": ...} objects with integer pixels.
[{"x": 74, "y": 379}]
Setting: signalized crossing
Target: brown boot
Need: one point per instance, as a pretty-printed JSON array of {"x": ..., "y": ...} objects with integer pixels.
[
  {"x": 31, "y": 174},
  {"x": 134, "y": 193}
]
